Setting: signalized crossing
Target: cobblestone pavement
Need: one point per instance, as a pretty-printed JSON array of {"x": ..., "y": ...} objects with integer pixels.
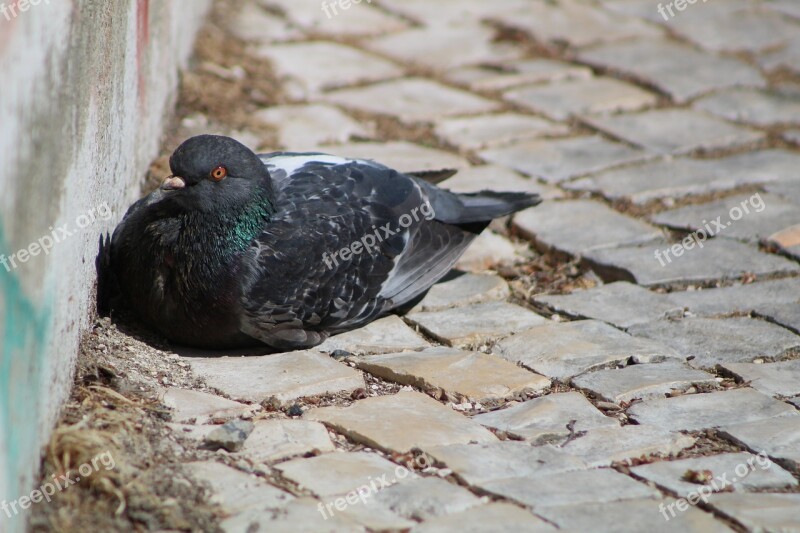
[{"x": 663, "y": 395}]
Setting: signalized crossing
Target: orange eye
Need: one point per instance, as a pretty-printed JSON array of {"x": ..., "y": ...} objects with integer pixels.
[{"x": 219, "y": 173}]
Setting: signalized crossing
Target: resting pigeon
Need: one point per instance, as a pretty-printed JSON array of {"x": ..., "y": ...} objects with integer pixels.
[{"x": 237, "y": 249}]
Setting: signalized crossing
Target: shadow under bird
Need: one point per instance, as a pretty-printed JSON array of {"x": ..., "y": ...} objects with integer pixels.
[{"x": 237, "y": 249}]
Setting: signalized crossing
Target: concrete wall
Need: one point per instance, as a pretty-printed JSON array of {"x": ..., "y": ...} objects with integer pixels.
[{"x": 86, "y": 87}]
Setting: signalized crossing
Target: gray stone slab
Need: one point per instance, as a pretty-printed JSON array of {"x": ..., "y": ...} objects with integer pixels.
[
  {"x": 737, "y": 472},
  {"x": 677, "y": 178},
  {"x": 775, "y": 379},
  {"x": 761, "y": 512},
  {"x": 562, "y": 100},
  {"x": 475, "y": 324},
  {"x": 424, "y": 498},
  {"x": 753, "y": 106},
  {"x": 621, "y": 304},
  {"x": 499, "y": 178},
  {"x": 630, "y": 516},
  {"x": 737, "y": 298},
  {"x": 572, "y": 488},
  {"x": 277, "y": 439},
  {"x": 665, "y": 64},
  {"x": 464, "y": 290},
  {"x": 476, "y": 464},
  {"x": 779, "y": 439},
  {"x": 411, "y": 100},
  {"x": 284, "y": 377},
  {"x": 447, "y": 12},
  {"x": 574, "y": 22},
  {"x": 499, "y": 517},
  {"x": 301, "y": 514},
  {"x": 604, "y": 446},
  {"x": 693, "y": 412},
  {"x": 387, "y": 335},
  {"x": 719, "y": 259},
  {"x": 675, "y": 131},
  {"x": 644, "y": 382},
  {"x": 253, "y": 23},
  {"x": 370, "y": 513},
  {"x": 236, "y": 491},
  {"x": 712, "y": 341},
  {"x": 592, "y": 225},
  {"x": 558, "y": 160},
  {"x": 356, "y": 20},
  {"x": 747, "y": 217},
  {"x": 786, "y": 314},
  {"x": 473, "y": 376},
  {"x": 789, "y": 189},
  {"x": 565, "y": 350},
  {"x": 305, "y": 127},
  {"x": 331, "y": 474},
  {"x": 315, "y": 66},
  {"x": 548, "y": 418},
  {"x": 401, "y": 422},
  {"x": 483, "y": 131},
  {"x": 507, "y": 74},
  {"x": 444, "y": 47},
  {"x": 200, "y": 407},
  {"x": 400, "y": 155}
]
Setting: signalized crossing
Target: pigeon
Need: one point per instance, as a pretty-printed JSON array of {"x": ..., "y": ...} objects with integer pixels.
[{"x": 238, "y": 249}]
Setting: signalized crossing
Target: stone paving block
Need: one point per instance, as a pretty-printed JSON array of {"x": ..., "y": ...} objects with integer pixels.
[
  {"x": 665, "y": 65},
  {"x": 719, "y": 259},
  {"x": 604, "y": 446},
  {"x": 779, "y": 439},
  {"x": 201, "y": 407},
  {"x": 572, "y": 488},
  {"x": 411, "y": 100},
  {"x": 441, "y": 48},
  {"x": 499, "y": 517},
  {"x": 737, "y": 298},
  {"x": 560, "y": 101},
  {"x": 738, "y": 472},
  {"x": 312, "y": 67},
  {"x": 706, "y": 342},
  {"x": 487, "y": 250},
  {"x": 473, "y": 375},
  {"x": 477, "y": 323},
  {"x": 788, "y": 7},
  {"x": 447, "y": 12},
  {"x": 550, "y": 418},
  {"x": 753, "y": 106},
  {"x": 191, "y": 431},
  {"x": 775, "y": 379},
  {"x": 749, "y": 217},
  {"x": 400, "y": 155},
  {"x": 276, "y": 439},
  {"x": 576, "y": 226},
  {"x": 237, "y": 491},
  {"x": 465, "y": 289},
  {"x": 301, "y": 514},
  {"x": 285, "y": 376},
  {"x": 304, "y": 127},
  {"x": 386, "y": 335},
  {"x": 362, "y": 20},
  {"x": 499, "y": 178},
  {"x": 644, "y": 8},
  {"x": 631, "y": 516},
  {"x": 694, "y": 412},
  {"x": 784, "y": 56},
  {"x": 253, "y": 23},
  {"x": 787, "y": 241},
  {"x": 675, "y": 131},
  {"x": 567, "y": 349},
  {"x": 559, "y": 160},
  {"x": 476, "y": 464},
  {"x": 483, "y": 131},
  {"x": 621, "y": 304},
  {"x": 761, "y": 512},
  {"x": 786, "y": 314},
  {"x": 677, "y": 178},
  {"x": 424, "y": 498},
  {"x": 575, "y": 22},
  {"x": 331, "y": 474},
  {"x": 372, "y": 514},
  {"x": 507, "y": 74},
  {"x": 401, "y": 422},
  {"x": 788, "y": 189},
  {"x": 644, "y": 382}
]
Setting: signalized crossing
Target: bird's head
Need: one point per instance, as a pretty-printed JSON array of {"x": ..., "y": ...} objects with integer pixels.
[{"x": 213, "y": 166}]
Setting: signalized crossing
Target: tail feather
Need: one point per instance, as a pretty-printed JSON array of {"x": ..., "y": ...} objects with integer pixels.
[{"x": 488, "y": 205}]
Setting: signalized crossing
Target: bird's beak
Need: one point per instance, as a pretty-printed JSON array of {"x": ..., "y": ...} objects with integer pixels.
[{"x": 172, "y": 183}]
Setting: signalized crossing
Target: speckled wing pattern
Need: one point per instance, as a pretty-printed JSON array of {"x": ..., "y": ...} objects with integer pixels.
[{"x": 302, "y": 290}]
